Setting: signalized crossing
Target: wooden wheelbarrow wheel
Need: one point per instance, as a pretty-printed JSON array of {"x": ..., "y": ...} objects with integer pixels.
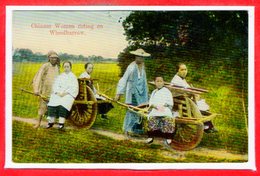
[
  {"x": 83, "y": 113},
  {"x": 188, "y": 134}
]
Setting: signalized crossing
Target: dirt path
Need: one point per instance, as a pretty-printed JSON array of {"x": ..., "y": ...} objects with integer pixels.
[{"x": 199, "y": 151}]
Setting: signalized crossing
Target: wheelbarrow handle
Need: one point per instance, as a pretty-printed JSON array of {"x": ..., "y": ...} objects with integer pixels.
[
  {"x": 29, "y": 92},
  {"x": 122, "y": 104}
]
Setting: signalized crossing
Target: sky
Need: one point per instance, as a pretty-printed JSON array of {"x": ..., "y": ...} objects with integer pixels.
[{"x": 101, "y": 35}]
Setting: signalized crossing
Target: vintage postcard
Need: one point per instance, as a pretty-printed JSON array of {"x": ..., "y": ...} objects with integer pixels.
[{"x": 130, "y": 87}]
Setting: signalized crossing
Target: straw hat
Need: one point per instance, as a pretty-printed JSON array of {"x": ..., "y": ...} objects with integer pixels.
[
  {"x": 52, "y": 54},
  {"x": 140, "y": 52}
]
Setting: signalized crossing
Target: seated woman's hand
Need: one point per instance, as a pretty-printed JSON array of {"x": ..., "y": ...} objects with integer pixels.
[{"x": 158, "y": 108}]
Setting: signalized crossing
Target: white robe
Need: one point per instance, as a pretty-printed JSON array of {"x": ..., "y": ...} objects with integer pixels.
[
  {"x": 84, "y": 75},
  {"x": 64, "y": 83},
  {"x": 178, "y": 81},
  {"x": 160, "y": 98}
]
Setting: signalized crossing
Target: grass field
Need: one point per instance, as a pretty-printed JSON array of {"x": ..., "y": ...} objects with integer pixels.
[
  {"x": 232, "y": 135},
  {"x": 85, "y": 146}
]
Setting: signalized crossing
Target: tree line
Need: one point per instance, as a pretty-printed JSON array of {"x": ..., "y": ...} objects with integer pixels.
[{"x": 27, "y": 55}]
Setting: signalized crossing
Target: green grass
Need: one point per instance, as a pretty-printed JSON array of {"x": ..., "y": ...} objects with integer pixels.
[
  {"x": 224, "y": 99},
  {"x": 85, "y": 146},
  {"x": 231, "y": 123}
]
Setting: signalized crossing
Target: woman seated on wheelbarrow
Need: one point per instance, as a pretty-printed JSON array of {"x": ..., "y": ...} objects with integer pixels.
[
  {"x": 64, "y": 92},
  {"x": 179, "y": 80},
  {"x": 104, "y": 107},
  {"x": 160, "y": 118}
]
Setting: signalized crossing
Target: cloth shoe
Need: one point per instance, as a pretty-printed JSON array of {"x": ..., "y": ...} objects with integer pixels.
[
  {"x": 49, "y": 125},
  {"x": 167, "y": 141},
  {"x": 149, "y": 140},
  {"x": 61, "y": 126}
]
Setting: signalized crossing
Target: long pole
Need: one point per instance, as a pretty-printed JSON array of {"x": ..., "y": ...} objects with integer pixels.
[
  {"x": 122, "y": 104},
  {"x": 29, "y": 92}
]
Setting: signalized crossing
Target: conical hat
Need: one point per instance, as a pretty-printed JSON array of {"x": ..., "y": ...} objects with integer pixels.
[{"x": 140, "y": 52}]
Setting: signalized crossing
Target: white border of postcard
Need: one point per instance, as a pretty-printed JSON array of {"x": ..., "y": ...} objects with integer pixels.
[{"x": 142, "y": 166}]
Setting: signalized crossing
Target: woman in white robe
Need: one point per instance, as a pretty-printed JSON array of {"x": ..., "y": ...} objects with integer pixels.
[
  {"x": 64, "y": 92},
  {"x": 87, "y": 74},
  {"x": 103, "y": 107},
  {"x": 179, "y": 80}
]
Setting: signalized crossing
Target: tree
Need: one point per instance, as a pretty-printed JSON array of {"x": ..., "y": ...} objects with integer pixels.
[
  {"x": 23, "y": 54},
  {"x": 82, "y": 58},
  {"x": 194, "y": 37},
  {"x": 94, "y": 58}
]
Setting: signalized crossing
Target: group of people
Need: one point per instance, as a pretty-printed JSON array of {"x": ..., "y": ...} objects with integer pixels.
[
  {"x": 63, "y": 89},
  {"x": 160, "y": 117}
]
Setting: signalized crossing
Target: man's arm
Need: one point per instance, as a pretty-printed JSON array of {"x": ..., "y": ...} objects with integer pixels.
[
  {"x": 37, "y": 80},
  {"x": 122, "y": 83}
]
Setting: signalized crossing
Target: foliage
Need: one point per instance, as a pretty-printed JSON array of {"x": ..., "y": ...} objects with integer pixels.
[
  {"x": 26, "y": 55},
  {"x": 173, "y": 31}
]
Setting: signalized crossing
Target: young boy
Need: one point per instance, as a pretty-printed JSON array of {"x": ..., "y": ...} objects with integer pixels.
[{"x": 160, "y": 118}]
